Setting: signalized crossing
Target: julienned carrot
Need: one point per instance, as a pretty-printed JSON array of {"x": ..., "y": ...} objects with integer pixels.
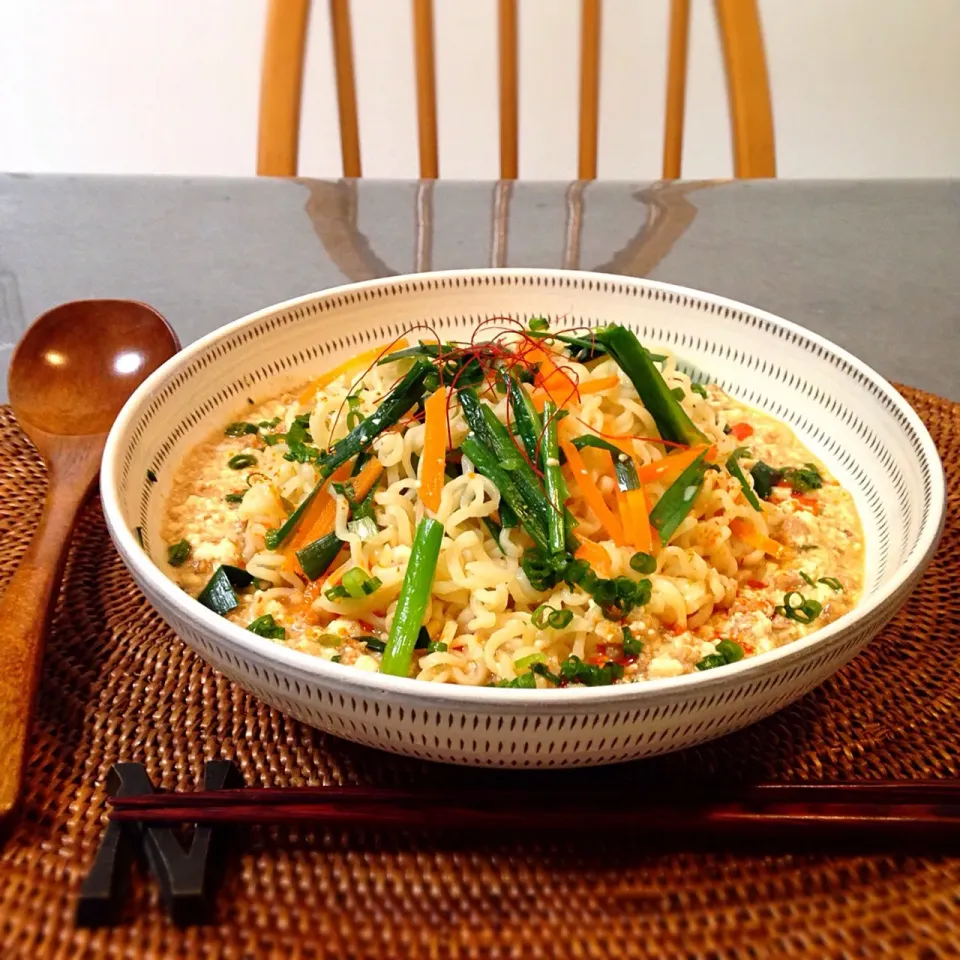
[
  {"x": 595, "y": 555},
  {"x": 639, "y": 535},
  {"x": 625, "y": 518},
  {"x": 541, "y": 396},
  {"x": 591, "y": 492},
  {"x": 670, "y": 467},
  {"x": 551, "y": 377},
  {"x": 353, "y": 365},
  {"x": 598, "y": 385},
  {"x": 327, "y": 520},
  {"x": 434, "y": 449},
  {"x": 315, "y": 511},
  {"x": 744, "y": 530},
  {"x": 362, "y": 484}
]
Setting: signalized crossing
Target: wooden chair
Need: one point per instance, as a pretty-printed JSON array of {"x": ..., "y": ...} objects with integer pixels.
[{"x": 743, "y": 53}]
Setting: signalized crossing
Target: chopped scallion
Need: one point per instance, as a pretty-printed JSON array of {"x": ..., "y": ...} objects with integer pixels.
[
  {"x": 643, "y": 563},
  {"x": 735, "y": 470},
  {"x": 540, "y": 669},
  {"x": 526, "y": 681},
  {"x": 559, "y": 619},
  {"x": 528, "y": 661},
  {"x": 574, "y": 670},
  {"x": 711, "y": 661},
  {"x": 364, "y": 528},
  {"x": 632, "y": 647},
  {"x": 414, "y": 597},
  {"x": 730, "y": 651},
  {"x": 540, "y": 615},
  {"x": 241, "y": 429},
  {"x": 316, "y": 557},
  {"x": 358, "y": 583},
  {"x": 677, "y": 499},
  {"x": 671, "y": 419},
  {"x": 219, "y": 595},
  {"x": 797, "y": 607},
  {"x": 266, "y": 626},
  {"x": 178, "y": 553}
]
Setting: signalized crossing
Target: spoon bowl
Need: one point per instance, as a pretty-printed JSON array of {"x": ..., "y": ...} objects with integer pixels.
[
  {"x": 69, "y": 377},
  {"x": 79, "y": 362}
]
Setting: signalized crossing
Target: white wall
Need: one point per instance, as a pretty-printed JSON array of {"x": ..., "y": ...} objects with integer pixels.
[{"x": 861, "y": 88}]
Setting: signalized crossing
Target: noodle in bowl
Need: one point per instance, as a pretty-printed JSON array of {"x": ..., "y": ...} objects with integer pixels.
[{"x": 730, "y": 577}]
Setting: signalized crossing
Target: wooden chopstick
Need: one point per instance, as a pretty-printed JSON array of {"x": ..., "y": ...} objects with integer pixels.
[
  {"x": 914, "y": 814},
  {"x": 886, "y": 792},
  {"x": 724, "y": 823}
]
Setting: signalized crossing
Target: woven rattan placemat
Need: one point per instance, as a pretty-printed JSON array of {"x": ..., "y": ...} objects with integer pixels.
[{"x": 117, "y": 685}]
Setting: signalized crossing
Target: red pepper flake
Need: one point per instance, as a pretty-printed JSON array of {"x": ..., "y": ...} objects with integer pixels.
[
  {"x": 757, "y": 584},
  {"x": 741, "y": 431}
]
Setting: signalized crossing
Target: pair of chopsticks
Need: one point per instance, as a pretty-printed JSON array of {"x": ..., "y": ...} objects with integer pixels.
[{"x": 918, "y": 809}]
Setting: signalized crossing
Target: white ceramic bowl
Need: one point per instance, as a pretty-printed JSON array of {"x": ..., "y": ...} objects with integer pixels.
[{"x": 847, "y": 414}]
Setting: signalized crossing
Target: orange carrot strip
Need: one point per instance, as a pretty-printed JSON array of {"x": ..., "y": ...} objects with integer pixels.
[
  {"x": 541, "y": 395},
  {"x": 354, "y": 365},
  {"x": 598, "y": 385},
  {"x": 591, "y": 492},
  {"x": 551, "y": 377},
  {"x": 434, "y": 449},
  {"x": 327, "y": 520},
  {"x": 744, "y": 530},
  {"x": 316, "y": 508},
  {"x": 595, "y": 555},
  {"x": 639, "y": 520},
  {"x": 625, "y": 516},
  {"x": 670, "y": 467}
]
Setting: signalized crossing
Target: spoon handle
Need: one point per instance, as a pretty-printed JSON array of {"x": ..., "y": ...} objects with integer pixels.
[{"x": 25, "y": 612}]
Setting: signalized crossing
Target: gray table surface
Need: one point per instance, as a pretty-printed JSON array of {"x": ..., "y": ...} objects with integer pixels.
[{"x": 871, "y": 265}]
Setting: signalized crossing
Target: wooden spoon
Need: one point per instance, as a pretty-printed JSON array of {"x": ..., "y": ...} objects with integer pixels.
[{"x": 69, "y": 376}]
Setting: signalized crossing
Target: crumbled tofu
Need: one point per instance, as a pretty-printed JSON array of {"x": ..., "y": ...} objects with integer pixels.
[
  {"x": 260, "y": 501},
  {"x": 222, "y": 551},
  {"x": 664, "y": 666}
]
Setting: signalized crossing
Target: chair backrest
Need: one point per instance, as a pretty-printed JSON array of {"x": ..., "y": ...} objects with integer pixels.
[{"x": 741, "y": 40}]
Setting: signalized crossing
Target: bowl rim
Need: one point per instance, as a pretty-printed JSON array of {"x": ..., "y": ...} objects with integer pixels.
[{"x": 383, "y": 687}]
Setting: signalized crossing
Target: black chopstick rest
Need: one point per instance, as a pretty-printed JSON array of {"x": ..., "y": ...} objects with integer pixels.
[{"x": 186, "y": 877}]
